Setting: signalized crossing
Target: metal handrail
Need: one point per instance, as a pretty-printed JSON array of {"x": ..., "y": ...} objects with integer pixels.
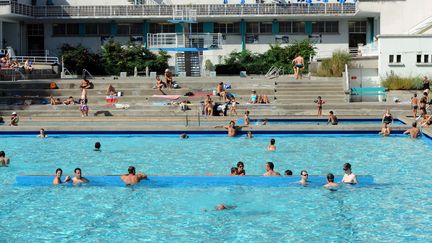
[
  {"x": 167, "y": 11},
  {"x": 37, "y": 59}
]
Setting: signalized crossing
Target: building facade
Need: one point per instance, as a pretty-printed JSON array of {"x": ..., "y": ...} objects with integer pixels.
[{"x": 34, "y": 27}]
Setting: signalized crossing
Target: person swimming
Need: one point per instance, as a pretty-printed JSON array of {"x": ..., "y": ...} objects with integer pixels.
[
  {"x": 272, "y": 146},
  {"x": 234, "y": 171},
  {"x": 184, "y": 136},
  {"x": 57, "y": 179},
  {"x": 132, "y": 178},
  {"x": 349, "y": 177},
  {"x": 97, "y": 146},
  {"x": 269, "y": 166},
  {"x": 42, "y": 133},
  {"x": 78, "y": 178},
  {"x": 4, "y": 161},
  {"x": 288, "y": 173},
  {"x": 240, "y": 168},
  {"x": 249, "y": 135},
  {"x": 330, "y": 182},
  {"x": 304, "y": 177}
]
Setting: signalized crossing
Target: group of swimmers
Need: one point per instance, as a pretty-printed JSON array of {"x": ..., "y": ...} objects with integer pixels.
[
  {"x": 348, "y": 178},
  {"x": 131, "y": 178}
]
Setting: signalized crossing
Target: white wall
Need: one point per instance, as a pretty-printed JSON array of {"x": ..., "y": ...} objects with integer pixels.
[
  {"x": 408, "y": 47},
  {"x": 398, "y": 17}
]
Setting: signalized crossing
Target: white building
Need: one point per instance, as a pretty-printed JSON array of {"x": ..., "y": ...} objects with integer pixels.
[{"x": 33, "y": 26}]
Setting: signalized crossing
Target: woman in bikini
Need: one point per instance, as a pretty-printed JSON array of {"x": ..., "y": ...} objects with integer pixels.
[
  {"x": 208, "y": 106},
  {"x": 414, "y": 105}
]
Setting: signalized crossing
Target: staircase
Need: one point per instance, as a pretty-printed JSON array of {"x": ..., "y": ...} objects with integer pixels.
[{"x": 288, "y": 98}]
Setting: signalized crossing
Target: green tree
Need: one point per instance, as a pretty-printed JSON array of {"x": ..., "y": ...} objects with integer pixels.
[{"x": 77, "y": 58}]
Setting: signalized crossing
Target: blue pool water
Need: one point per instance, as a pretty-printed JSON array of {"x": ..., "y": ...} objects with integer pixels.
[
  {"x": 319, "y": 121},
  {"x": 396, "y": 208}
]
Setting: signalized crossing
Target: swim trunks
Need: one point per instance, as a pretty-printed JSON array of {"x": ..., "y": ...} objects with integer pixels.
[{"x": 299, "y": 65}]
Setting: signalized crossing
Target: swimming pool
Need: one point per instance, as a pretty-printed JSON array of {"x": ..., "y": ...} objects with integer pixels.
[
  {"x": 396, "y": 208},
  {"x": 319, "y": 121}
]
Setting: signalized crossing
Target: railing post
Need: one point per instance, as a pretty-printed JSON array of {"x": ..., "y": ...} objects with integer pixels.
[
  {"x": 275, "y": 8},
  {"x": 325, "y": 8},
  {"x": 342, "y": 6},
  {"x": 78, "y": 12},
  {"x": 94, "y": 11}
]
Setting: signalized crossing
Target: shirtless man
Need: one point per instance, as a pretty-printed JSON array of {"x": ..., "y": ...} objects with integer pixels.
[
  {"x": 304, "y": 175},
  {"x": 332, "y": 119},
  {"x": 220, "y": 91},
  {"x": 78, "y": 179},
  {"x": 42, "y": 133},
  {"x": 168, "y": 78},
  {"x": 271, "y": 146},
  {"x": 232, "y": 128},
  {"x": 298, "y": 66},
  {"x": 349, "y": 177},
  {"x": 4, "y": 161},
  {"x": 414, "y": 131},
  {"x": 131, "y": 178},
  {"x": 414, "y": 105},
  {"x": 269, "y": 166},
  {"x": 85, "y": 83},
  {"x": 330, "y": 182},
  {"x": 57, "y": 179}
]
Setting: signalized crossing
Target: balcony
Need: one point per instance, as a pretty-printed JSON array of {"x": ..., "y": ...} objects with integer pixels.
[
  {"x": 168, "y": 11},
  {"x": 186, "y": 42}
]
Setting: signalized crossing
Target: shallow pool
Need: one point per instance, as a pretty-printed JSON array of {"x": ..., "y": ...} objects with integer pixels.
[{"x": 396, "y": 208}]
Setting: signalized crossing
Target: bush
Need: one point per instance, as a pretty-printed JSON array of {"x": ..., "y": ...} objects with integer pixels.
[
  {"x": 334, "y": 66},
  {"x": 394, "y": 82},
  {"x": 78, "y": 58},
  {"x": 255, "y": 63},
  {"x": 124, "y": 58}
]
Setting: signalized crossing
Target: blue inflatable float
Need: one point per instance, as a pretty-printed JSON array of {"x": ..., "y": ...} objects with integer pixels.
[{"x": 193, "y": 181}]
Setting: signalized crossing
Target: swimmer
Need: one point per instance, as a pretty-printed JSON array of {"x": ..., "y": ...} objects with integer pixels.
[
  {"x": 330, "y": 182},
  {"x": 240, "y": 169},
  {"x": 385, "y": 130},
  {"x": 4, "y": 161},
  {"x": 184, "y": 136},
  {"x": 42, "y": 133},
  {"x": 264, "y": 122},
  {"x": 414, "y": 131},
  {"x": 271, "y": 146},
  {"x": 131, "y": 178},
  {"x": 57, "y": 179},
  {"x": 249, "y": 135},
  {"x": 269, "y": 166},
  {"x": 349, "y": 177},
  {"x": 221, "y": 207},
  {"x": 288, "y": 173},
  {"x": 232, "y": 128},
  {"x": 332, "y": 119},
  {"x": 234, "y": 171},
  {"x": 304, "y": 177},
  {"x": 97, "y": 147},
  {"x": 78, "y": 179}
]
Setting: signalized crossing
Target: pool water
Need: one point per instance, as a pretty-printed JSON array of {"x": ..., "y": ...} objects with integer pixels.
[{"x": 395, "y": 209}]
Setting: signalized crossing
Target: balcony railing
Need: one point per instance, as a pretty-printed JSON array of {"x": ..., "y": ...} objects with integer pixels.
[
  {"x": 167, "y": 11},
  {"x": 175, "y": 40}
]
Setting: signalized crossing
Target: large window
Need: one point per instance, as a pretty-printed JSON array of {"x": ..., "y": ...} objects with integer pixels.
[
  {"x": 123, "y": 29},
  {"x": 65, "y": 29},
  {"x": 137, "y": 29},
  {"x": 291, "y": 27},
  {"x": 197, "y": 28},
  {"x": 325, "y": 27},
  {"x": 105, "y": 29},
  {"x": 357, "y": 27},
  {"x": 162, "y": 28},
  {"x": 224, "y": 28},
  {"x": 35, "y": 30},
  {"x": 266, "y": 27},
  {"x": 91, "y": 29},
  {"x": 252, "y": 27}
]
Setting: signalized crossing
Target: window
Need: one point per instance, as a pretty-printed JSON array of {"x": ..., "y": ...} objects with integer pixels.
[
  {"x": 35, "y": 30},
  {"x": 104, "y": 29},
  {"x": 398, "y": 58},
  {"x": 419, "y": 58},
  {"x": 266, "y": 27},
  {"x": 252, "y": 27},
  {"x": 123, "y": 29},
  {"x": 285, "y": 27},
  {"x": 91, "y": 29},
  {"x": 197, "y": 28},
  {"x": 325, "y": 27},
  {"x": 426, "y": 59},
  {"x": 224, "y": 28},
  {"x": 298, "y": 27},
  {"x": 357, "y": 27},
  {"x": 137, "y": 29},
  {"x": 65, "y": 29},
  {"x": 168, "y": 28},
  {"x": 391, "y": 58}
]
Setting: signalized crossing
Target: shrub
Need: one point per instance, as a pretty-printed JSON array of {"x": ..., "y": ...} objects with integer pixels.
[
  {"x": 394, "y": 82},
  {"x": 77, "y": 58},
  {"x": 255, "y": 63},
  {"x": 334, "y": 66}
]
